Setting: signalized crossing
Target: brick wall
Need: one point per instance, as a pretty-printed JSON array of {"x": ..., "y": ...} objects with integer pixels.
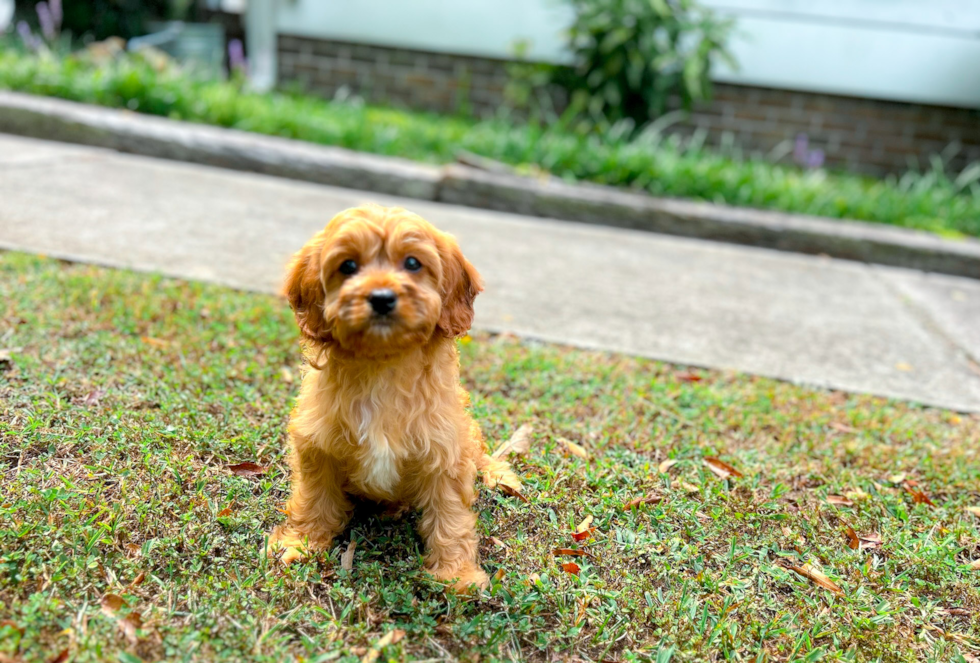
[{"x": 863, "y": 135}]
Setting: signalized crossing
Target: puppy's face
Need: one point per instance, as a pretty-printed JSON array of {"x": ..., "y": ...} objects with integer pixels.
[{"x": 378, "y": 280}]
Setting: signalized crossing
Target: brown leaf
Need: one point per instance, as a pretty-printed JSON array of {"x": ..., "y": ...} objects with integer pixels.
[
  {"x": 721, "y": 468},
  {"x": 815, "y": 575},
  {"x": 918, "y": 497},
  {"x": 129, "y": 625},
  {"x": 853, "y": 542},
  {"x": 649, "y": 499},
  {"x": 347, "y": 559},
  {"x": 499, "y": 575},
  {"x": 509, "y": 489},
  {"x": 667, "y": 464},
  {"x": 497, "y": 542},
  {"x": 111, "y": 604},
  {"x": 975, "y": 565},
  {"x": 138, "y": 580},
  {"x": 92, "y": 398},
  {"x": 571, "y": 567},
  {"x": 389, "y": 638},
  {"x": 570, "y": 447},
  {"x": 60, "y": 657},
  {"x": 133, "y": 549},
  {"x": 155, "y": 342},
  {"x": 839, "y": 500},
  {"x": 571, "y": 552},
  {"x": 224, "y": 512},
  {"x": 863, "y": 541},
  {"x": 584, "y": 526},
  {"x": 519, "y": 443},
  {"x": 689, "y": 377},
  {"x": 975, "y": 510},
  {"x": 582, "y": 536},
  {"x": 248, "y": 469}
]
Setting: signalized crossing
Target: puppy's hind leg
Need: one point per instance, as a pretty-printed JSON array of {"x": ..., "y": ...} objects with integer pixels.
[{"x": 318, "y": 508}]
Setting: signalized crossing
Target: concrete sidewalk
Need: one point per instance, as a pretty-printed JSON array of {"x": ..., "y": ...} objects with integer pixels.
[{"x": 814, "y": 320}]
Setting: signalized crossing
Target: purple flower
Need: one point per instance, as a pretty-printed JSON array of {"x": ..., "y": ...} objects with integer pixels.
[
  {"x": 236, "y": 55},
  {"x": 804, "y": 156},
  {"x": 814, "y": 159},
  {"x": 26, "y": 36},
  {"x": 56, "y": 12},
  {"x": 46, "y": 20}
]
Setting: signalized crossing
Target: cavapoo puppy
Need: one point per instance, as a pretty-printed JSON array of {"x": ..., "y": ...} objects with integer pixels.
[{"x": 380, "y": 296}]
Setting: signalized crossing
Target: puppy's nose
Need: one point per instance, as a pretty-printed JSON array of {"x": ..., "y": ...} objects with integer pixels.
[{"x": 382, "y": 301}]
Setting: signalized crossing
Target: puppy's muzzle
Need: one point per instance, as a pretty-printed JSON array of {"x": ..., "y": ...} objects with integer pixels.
[{"x": 382, "y": 301}]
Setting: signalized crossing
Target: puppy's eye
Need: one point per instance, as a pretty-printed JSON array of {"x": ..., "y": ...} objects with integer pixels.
[
  {"x": 348, "y": 267},
  {"x": 412, "y": 264}
]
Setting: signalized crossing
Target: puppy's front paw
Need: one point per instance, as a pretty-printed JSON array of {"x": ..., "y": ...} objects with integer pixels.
[
  {"x": 462, "y": 579},
  {"x": 288, "y": 546}
]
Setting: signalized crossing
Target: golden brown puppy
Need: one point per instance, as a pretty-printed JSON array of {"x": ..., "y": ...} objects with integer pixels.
[{"x": 380, "y": 296}]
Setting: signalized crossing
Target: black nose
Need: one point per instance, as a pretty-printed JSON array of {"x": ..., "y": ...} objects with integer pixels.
[{"x": 382, "y": 301}]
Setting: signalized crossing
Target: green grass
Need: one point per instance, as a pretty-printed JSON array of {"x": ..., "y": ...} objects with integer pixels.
[
  {"x": 125, "y": 396},
  {"x": 930, "y": 200}
]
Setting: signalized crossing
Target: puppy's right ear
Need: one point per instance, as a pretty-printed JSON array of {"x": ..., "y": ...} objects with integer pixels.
[{"x": 304, "y": 290}]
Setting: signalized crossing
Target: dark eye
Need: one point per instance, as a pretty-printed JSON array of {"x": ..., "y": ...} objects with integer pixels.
[
  {"x": 412, "y": 264},
  {"x": 348, "y": 267}
]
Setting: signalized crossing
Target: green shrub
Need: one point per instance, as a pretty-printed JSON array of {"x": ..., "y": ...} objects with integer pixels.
[
  {"x": 666, "y": 167},
  {"x": 631, "y": 57}
]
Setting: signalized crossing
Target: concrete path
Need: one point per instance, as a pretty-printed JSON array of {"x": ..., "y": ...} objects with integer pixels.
[{"x": 807, "y": 319}]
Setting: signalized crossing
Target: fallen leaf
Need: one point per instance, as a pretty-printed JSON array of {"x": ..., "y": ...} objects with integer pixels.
[
  {"x": 975, "y": 565},
  {"x": 129, "y": 625},
  {"x": 584, "y": 525},
  {"x": 248, "y": 469},
  {"x": 60, "y": 657},
  {"x": 519, "y": 443},
  {"x": 389, "y": 638},
  {"x": 815, "y": 575},
  {"x": 92, "y": 398},
  {"x": 510, "y": 485},
  {"x": 582, "y": 536},
  {"x": 918, "y": 497},
  {"x": 571, "y": 552},
  {"x": 667, "y": 464},
  {"x": 111, "y": 604},
  {"x": 842, "y": 428},
  {"x": 499, "y": 575},
  {"x": 347, "y": 559},
  {"x": 689, "y": 487},
  {"x": 155, "y": 342},
  {"x": 224, "y": 512},
  {"x": 570, "y": 567},
  {"x": 862, "y": 542},
  {"x": 133, "y": 549},
  {"x": 839, "y": 500},
  {"x": 897, "y": 478},
  {"x": 958, "y": 612},
  {"x": 721, "y": 468},
  {"x": 534, "y": 579},
  {"x": 689, "y": 377},
  {"x": 975, "y": 510},
  {"x": 138, "y": 580},
  {"x": 857, "y": 495},
  {"x": 497, "y": 542},
  {"x": 649, "y": 499},
  {"x": 286, "y": 374},
  {"x": 574, "y": 449}
]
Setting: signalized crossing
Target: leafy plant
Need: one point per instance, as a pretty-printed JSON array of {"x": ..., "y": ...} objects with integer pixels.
[
  {"x": 931, "y": 200},
  {"x": 633, "y": 58}
]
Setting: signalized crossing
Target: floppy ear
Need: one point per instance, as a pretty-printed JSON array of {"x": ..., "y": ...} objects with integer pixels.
[
  {"x": 304, "y": 290},
  {"x": 461, "y": 283}
]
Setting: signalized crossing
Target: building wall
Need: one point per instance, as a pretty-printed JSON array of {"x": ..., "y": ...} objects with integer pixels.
[{"x": 864, "y": 135}]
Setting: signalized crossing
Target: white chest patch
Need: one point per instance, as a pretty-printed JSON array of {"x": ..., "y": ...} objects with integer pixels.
[{"x": 381, "y": 463}]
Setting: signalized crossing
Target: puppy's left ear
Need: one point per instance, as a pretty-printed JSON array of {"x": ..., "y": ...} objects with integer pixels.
[{"x": 461, "y": 283}]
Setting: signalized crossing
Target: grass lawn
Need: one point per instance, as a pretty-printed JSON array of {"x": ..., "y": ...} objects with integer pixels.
[
  {"x": 124, "y": 397},
  {"x": 930, "y": 199}
]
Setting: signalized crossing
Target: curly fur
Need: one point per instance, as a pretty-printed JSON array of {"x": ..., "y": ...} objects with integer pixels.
[{"x": 381, "y": 414}]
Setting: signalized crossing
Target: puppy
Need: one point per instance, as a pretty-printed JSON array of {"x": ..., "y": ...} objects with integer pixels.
[{"x": 380, "y": 296}]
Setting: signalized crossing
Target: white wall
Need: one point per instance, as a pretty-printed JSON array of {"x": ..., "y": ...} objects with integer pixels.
[{"x": 906, "y": 50}]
